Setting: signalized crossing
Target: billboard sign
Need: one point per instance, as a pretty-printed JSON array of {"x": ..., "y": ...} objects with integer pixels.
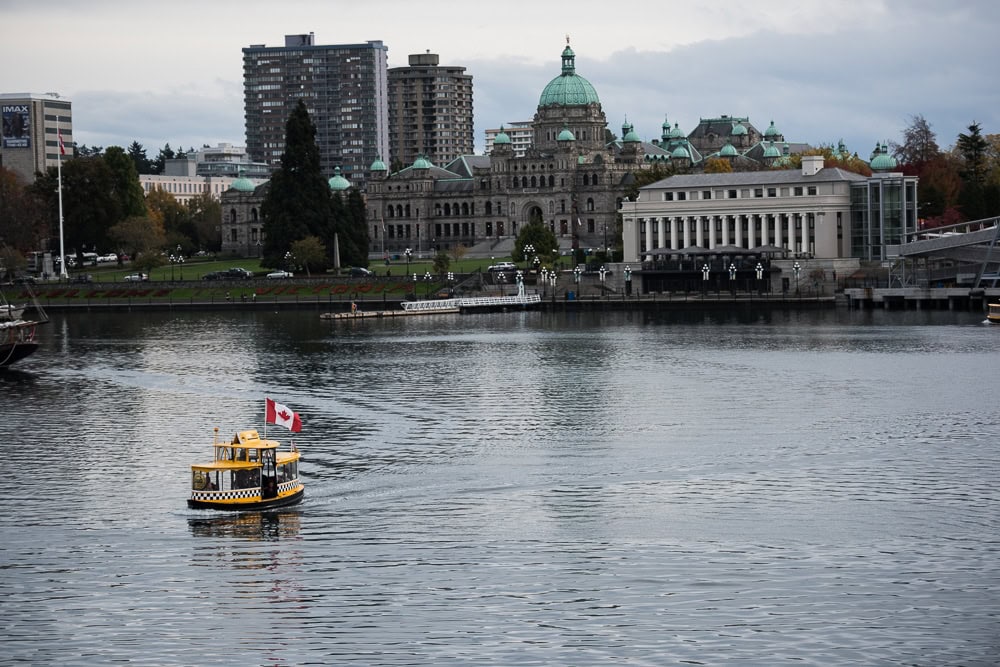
[{"x": 16, "y": 126}]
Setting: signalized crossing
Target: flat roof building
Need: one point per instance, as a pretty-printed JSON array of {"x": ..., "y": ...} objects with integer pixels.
[
  {"x": 32, "y": 125},
  {"x": 344, "y": 87},
  {"x": 430, "y": 111}
]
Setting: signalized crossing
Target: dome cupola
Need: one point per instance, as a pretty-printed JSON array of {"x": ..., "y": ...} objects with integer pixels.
[{"x": 569, "y": 88}]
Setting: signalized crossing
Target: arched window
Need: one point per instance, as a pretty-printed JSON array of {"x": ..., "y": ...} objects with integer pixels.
[
  {"x": 524, "y": 181},
  {"x": 391, "y": 211},
  {"x": 232, "y": 216},
  {"x": 447, "y": 209},
  {"x": 253, "y": 215},
  {"x": 590, "y": 204},
  {"x": 534, "y": 183},
  {"x": 552, "y": 181},
  {"x": 489, "y": 208},
  {"x": 465, "y": 208}
]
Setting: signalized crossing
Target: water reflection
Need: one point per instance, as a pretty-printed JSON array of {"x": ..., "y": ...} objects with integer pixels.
[{"x": 254, "y": 526}]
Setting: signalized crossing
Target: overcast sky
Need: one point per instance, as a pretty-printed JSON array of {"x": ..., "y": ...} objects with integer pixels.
[{"x": 857, "y": 70}]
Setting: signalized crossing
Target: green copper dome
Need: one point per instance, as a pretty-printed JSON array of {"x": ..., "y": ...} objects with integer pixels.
[
  {"x": 681, "y": 153},
  {"x": 338, "y": 183},
  {"x": 881, "y": 160},
  {"x": 677, "y": 132},
  {"x": 739, "y": 129},
  {"x": 771, "y": 131},
  {"x": 771, "y": 150},
  {"x": 566, "y": 135},
  {"x": 631, "y": 137},
  {"x": 569, "y": 88},
  {"x": 502, "y": 138},
  {"x": 378, "y": 165},
  {"x": 421, "y": 163},
  {"x": 728, "y": 151},
  {"x": 243, "y": 184}
]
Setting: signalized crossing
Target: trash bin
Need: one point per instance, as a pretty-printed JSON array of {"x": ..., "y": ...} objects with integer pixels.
[{"x": 570, "y": 296}]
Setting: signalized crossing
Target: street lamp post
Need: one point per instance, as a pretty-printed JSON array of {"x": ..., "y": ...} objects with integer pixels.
[
  {"x": 796, "y": 269},
  {"x": 628, "y": 280},
  {"x": 576, "y": 280},
  {"x": 427, "y": 279},
  {"x": 603, "y": 273},
  {"x": 519, "y": 279},
  {"x": 527, "y": 251},
  {"x": 704, "y": 279},
  {"x": 258, "y": 249},
  {"x": 732, "y": 279},
  {"x": 408, "y": 252},
  {"x": 760, "y": 275},
  {"x": 501, "y": 277},
  {"x": 545, "y": 277}
]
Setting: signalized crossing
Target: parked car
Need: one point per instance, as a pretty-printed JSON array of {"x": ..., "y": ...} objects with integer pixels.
[
  {"x": 359, "y": 272},
  {"x": 82, "y": 278},
  {"x": 239, "y": 273},
  {"x": 25, "y": 280},
  {"x": 214, "y": 275},
  {"x": 279, "y": 274},
  {"x": 107, "y": 259},
  {"x": 135, "y": 277},
  {"x": 503, "y": 266}
]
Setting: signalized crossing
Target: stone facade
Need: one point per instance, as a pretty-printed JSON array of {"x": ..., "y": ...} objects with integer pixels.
[{"x": 571, "y": 179}]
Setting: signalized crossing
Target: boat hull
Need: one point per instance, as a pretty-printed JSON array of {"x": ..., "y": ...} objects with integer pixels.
[
  {"x": 10, "y": 353},
  {"x": 250, "y": 505}
]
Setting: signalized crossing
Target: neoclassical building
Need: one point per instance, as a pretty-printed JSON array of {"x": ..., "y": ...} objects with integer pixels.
[
  {"x": 570, "y": 178},
  {"x": 808, "y": 213}
]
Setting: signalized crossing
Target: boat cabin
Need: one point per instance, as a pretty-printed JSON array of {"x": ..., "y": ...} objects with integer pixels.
[{"x": 246, "y": 470}]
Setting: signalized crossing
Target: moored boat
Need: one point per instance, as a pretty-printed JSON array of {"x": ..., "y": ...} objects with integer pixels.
[
  {"x": 246, "y": 473},
  {"x": 993, "y": 315},
  {"x": 17, "y": 335}
]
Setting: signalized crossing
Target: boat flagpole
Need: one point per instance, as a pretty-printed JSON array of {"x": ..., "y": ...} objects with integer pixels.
[{"x": 62, "y": 244}]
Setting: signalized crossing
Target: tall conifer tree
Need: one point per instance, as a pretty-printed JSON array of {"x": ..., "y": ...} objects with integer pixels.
[{"x": 298, "y": 202}]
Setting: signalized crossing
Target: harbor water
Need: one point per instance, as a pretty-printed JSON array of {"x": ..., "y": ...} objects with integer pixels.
[{"x": 522, "y": 488}]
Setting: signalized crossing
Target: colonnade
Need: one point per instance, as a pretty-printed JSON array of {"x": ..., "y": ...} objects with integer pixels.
[{"x": 795, "y": 232}]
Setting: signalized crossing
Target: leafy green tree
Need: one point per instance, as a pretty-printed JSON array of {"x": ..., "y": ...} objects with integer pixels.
[
  {"x": 125, "y": 185},
  {"x": 23, "y": 223},
  {"x": 205, "y": 212},
  {"x": 539, "y": 236},
  {"x": 138, "y": 235},
  {"x": 85, "y": 151},
  {"x": 90, "y": 207},
  {"x": 309, "y": 253},
  {"x": 441, "y": 263},
  {"x": 298, "y": 202}
]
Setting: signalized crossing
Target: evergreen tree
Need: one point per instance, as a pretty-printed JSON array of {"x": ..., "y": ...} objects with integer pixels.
[
  {"x": 298, "y": 201},
  {"x": 125, "y": 183},
  {"x": 973, "y": 148},
  {"x": 139, "y": 158}
]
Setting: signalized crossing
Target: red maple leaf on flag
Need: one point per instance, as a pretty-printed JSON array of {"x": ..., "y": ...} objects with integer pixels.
[{"x": 284, "y": 415}]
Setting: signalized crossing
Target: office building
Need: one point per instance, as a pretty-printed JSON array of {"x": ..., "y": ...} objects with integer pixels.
[
  {"x": 31, "y": 128},
  {"x": 344, "y": 87},
  {"x": 430, "y": 111},
  {"x": 520, "y": 134}
]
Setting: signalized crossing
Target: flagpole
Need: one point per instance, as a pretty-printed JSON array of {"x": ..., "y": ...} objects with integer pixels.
[{"x": 62, "y": 243}]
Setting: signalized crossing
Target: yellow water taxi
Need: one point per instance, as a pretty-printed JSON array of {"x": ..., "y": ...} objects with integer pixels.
[
  {"x": 993, "y": 315},
  {"x": 247, "y": 473}
]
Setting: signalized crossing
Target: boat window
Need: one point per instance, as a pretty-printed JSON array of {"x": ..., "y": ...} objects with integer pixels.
[
  {"x": 241, "y": 454},
  {"x": 246, "y": 479},
  {"x": 252, "y": 454},
  {"x": 204, "y": 480}
]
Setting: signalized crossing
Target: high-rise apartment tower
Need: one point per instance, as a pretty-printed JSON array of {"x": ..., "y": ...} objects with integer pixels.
[
  {"x": 345, "y": 89},
  {"x": 430, "y": 111}
]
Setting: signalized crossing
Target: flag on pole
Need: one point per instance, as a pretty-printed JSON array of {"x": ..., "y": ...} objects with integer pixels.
[
  {"x": 579, "y": 222},
  {"x": 62, "y": 148},
  {"x": 280, "y": 415}
]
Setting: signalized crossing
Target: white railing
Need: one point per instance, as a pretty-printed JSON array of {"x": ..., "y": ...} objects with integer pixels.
[{"x": 471, "y": 302}]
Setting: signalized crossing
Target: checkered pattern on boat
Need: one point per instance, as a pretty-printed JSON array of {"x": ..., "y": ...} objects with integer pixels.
[
  {"x": 238, "y": 494},
  {"x": 288, "y": 486}
]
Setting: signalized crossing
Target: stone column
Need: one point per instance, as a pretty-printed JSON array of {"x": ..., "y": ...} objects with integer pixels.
[
  {"x": 765, "y": 238},
  {"x": 777, "y": 229},
  {"x": 739, "y": 230},
  {"x": 725, "y": 229},
  {"x": 791, "y": 231},
  {"x": 699, "y": 230},
  {"x": 685, "y": 220},
  {"x": 675, "y": 241}
]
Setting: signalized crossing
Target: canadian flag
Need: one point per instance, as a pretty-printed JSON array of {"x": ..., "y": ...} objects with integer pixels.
[
  {"x": 276, "y": 413},
  {"x": 62, "y": 148}
]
